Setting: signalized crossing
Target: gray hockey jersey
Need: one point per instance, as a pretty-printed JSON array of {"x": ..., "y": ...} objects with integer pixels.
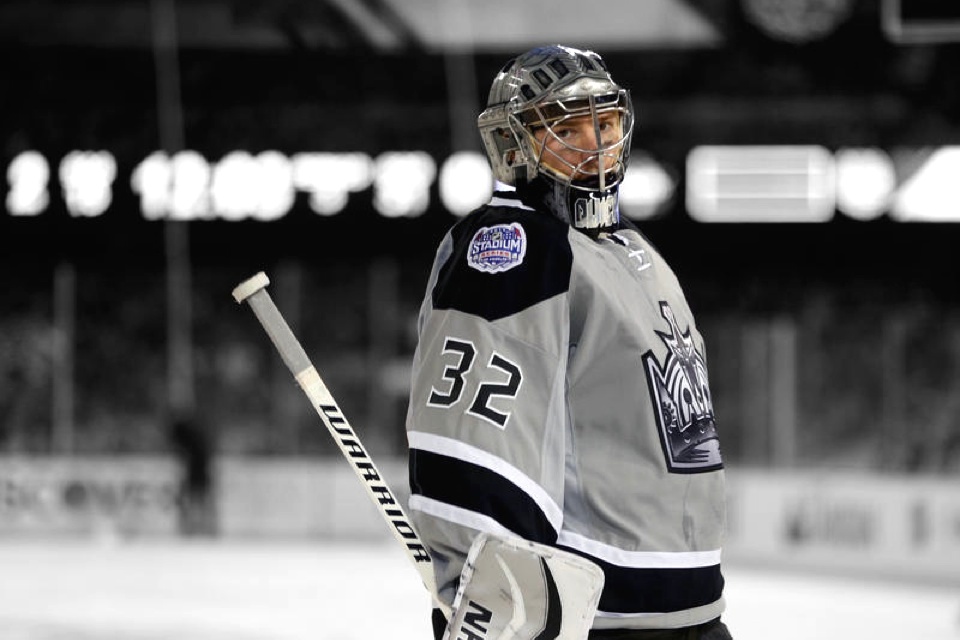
[{"x": 560, "y": 394}]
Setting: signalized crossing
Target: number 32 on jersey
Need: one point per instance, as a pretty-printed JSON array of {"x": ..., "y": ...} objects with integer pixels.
[{"x": 500, "y": 378}]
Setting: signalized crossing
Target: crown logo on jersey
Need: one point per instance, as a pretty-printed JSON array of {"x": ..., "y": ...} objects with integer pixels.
[
  {"x": 498, "y": 248},
  {"x": 682, "y": 402}
]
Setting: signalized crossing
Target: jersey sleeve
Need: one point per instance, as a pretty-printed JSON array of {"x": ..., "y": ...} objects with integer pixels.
[{"x": 486, "y": 418}]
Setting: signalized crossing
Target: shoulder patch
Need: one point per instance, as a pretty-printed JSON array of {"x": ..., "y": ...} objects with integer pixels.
[
  {"x": 498, "y": 248},
  {"x": 528, "y": 251}
]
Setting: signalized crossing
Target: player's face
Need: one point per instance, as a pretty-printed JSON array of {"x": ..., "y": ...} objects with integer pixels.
[{"x": 570, "y": 147}]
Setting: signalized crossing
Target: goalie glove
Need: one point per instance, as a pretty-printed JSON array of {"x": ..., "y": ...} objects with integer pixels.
[{"x": 513, "y": 589}]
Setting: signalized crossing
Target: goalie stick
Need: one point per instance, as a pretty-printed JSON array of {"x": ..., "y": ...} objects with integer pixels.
[
  {"x": 509, "y": 589},
  {"x": 253, "y": 292}
]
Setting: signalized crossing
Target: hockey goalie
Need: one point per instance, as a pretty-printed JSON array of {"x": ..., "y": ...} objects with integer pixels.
[{"x": 565, "y": 467}]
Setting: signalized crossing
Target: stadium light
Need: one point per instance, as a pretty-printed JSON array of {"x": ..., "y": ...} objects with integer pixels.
[
  {"x": 760, "y": 184},
  {"x": 866, "y": 181},
  {"x": 921, "y": 21}
]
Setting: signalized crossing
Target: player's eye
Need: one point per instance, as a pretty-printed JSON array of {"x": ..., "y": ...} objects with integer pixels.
[{"x": 608, "y": 123}]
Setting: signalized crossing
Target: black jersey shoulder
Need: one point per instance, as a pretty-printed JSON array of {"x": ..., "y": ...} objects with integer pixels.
[{"x": 542, "y": 272}]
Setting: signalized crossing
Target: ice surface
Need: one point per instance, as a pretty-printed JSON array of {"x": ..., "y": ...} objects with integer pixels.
[{"x": 170, "y": 590}]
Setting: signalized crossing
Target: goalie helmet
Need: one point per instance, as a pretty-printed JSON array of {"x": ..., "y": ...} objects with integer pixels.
[{"x": 534, "y": 103}]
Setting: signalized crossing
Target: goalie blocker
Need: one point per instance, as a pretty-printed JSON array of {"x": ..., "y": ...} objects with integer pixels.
[{"x": 513, "y": 589}]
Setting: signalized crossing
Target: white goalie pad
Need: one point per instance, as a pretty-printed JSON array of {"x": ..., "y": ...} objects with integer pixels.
[{"x": 520, "y": 590}]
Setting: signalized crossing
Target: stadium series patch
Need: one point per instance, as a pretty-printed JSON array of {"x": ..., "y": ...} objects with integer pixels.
[{"x": 498, "y": 248}]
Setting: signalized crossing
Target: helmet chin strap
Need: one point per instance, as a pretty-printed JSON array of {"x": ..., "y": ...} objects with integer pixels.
[
  {"x": 587, "y": 210},
  {"x": 594, "y": 209}
]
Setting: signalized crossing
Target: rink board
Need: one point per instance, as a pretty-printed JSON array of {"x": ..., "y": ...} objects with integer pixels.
[{"x": 901, "y": 526}]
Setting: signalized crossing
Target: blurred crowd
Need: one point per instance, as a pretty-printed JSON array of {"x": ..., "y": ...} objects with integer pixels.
[{"x": 844, "y": 376}]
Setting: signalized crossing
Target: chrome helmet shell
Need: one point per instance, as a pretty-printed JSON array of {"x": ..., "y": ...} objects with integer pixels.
[{"x": 534, "y": 95}]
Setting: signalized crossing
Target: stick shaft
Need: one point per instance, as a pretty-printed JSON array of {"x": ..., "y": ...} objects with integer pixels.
[{"x": 297, "y": 361}]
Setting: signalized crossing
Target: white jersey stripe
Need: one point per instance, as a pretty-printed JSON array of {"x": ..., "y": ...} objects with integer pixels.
[
  {"x": 459, "y": 515},
  {"x": 496, "y": 201},
  {"x": 639, "y": 559},
  {"x": 644, "y": 614},
  {"x": 468, "y": 453}
]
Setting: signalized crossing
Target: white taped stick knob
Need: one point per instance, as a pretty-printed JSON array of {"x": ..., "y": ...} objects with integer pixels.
[{"x": 249, "y": 287}]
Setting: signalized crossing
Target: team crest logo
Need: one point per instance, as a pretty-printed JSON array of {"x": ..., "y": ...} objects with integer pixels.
[
  {"x": 497, "y": 248},
  {"x": 682, "y": 403}
]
